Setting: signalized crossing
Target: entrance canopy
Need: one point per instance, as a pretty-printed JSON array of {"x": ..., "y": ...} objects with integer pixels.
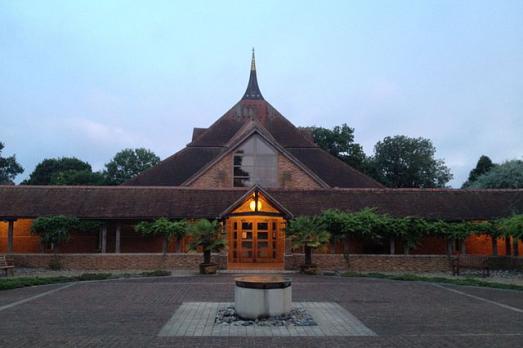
[{"x": 256, "y": 202}]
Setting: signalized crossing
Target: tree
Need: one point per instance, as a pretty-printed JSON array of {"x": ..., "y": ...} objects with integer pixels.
[
  {"x": 483, "y": 166},
  {"x": 308, "y": 232},
  {"x": 163, "y": 227},
  {"x": 9, "y": 168},
  {"x": 53, "y": 230},
  {"x": 128, "y": 163},
  {"x": 505, "y": 175},
  {"x": 512, "y": 227},
  {"x": 401, "y": 161},
  {"x": 207, "y": 236},
  {"x": 77, "y": 177},
  {"x": 48, "y": 171},
  {"x": 340, "y": 142}
]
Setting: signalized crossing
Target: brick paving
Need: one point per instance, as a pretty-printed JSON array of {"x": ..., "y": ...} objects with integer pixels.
[
  {"x": 131, "y": 313},
  {"x": 197, "y": 319}
]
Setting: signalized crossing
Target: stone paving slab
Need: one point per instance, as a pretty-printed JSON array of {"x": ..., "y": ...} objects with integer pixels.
[{"x": 197, "y": 319}]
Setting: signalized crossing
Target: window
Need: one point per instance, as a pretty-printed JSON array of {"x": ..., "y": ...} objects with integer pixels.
[{"x": 255, "y": 162}]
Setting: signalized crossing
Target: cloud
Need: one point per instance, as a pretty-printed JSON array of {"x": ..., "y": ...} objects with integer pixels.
[{"x": 102, "y": 134}]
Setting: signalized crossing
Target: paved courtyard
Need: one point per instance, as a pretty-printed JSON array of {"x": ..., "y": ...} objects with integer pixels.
[{"x": 133, "y": 312}]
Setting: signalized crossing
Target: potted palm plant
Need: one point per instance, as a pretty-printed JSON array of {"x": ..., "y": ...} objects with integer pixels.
[
  {"x": 309, "y": 233},
  {"x": 206, "y": 236}
]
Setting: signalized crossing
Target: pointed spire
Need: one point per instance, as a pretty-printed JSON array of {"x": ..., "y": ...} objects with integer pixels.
[
  {"x": 253, "y": 61},
  {"x": 253, "y": 91}
]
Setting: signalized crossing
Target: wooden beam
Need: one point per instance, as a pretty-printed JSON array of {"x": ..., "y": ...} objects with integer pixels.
[
  {"x": 10, "y": 235},
  {"x": 117, "y": 239},
  {"x": 104, "y": 238}
]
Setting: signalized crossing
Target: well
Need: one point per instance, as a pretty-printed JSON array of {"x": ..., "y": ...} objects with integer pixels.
[{"x": 262, "y": 296}]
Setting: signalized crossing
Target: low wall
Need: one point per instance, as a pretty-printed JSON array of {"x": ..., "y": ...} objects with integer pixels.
[
  {"x": 190, "y": 261},
  {"x": 136, "y": 261},
  {"x": 373, "y": 263}
]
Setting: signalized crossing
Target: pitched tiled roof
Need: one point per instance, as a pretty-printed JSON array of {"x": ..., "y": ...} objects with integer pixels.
[
  {"x": 332, "y": 170},
  {"x": 174, "y": 170},
  {"x": 221, "y": 131},
  {"x": 121, "y": 202}
]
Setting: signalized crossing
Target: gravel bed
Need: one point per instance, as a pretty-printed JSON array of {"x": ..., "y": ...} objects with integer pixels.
[{"x": 296, "y": 317}]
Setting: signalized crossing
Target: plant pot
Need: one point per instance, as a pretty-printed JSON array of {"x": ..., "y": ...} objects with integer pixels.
[
  {"x": 310, "y": 269},
  {"x": 208, "y": 268}
]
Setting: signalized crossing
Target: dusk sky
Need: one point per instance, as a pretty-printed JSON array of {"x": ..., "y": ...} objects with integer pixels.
[{"x": 89, "y": 78}]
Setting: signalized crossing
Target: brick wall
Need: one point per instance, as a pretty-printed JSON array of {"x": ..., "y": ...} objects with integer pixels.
[
  {"x": 218, "y": 176},
  {"x": 117, "y": 261},
  {"x": 332, "y": 262},
  {"x": 292, "y": 177},
  {"x": 373, "y": 263}
]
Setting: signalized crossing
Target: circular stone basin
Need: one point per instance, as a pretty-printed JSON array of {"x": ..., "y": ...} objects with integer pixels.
[{"x": 262, "y": 296}]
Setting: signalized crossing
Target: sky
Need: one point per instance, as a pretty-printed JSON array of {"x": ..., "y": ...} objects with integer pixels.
[{"x": 89, "y": 78}]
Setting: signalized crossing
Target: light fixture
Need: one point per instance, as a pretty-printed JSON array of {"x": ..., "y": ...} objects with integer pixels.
[{"x": 252, "y": 205}]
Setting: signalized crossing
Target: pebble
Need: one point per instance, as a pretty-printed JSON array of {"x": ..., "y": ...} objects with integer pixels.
[{"x": 296, "y": 317}]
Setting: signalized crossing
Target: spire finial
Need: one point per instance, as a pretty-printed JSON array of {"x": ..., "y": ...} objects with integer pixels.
[
  {"x": 253, "y": 61},
  {"x": 253, "y": 91}
]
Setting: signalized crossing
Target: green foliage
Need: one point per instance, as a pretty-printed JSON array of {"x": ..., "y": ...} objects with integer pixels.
[
  {"x": 506, "y": 175},
  {"x": 401, "y": 161},
  {"x": 87, "y": 226},
  {"x": 53, "y": 230},
  {"x": 94, "y": 276},
  {"x": 335, "y": 222},
  {"x": 456, "y": 281},
  {"x": 48, "y": 172},
  {"x": 9, "y": 168},
  {"x": 512, "y": 226},
  {"x": 370, "y": 225},
  {"x": 207, "y": 235},
  {"x": 156, "y": 273},
  {"x": 491, "y": 228},
  {"x": 483, "y": 166},
  {"x": 340, "y": 142},
  {"x": 409, "y": 230},
  {"x": 13, "y": 283},
  {"x": 128, "y": 163},
  {"x": 307, "y": 231},
  {"x": 19, "y": 282},
  {"x": 77, "y": 177},
  {"x": 163, "y": 227}
]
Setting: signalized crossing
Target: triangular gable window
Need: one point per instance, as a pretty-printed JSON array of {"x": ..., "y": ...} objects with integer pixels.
[
  {"x": 255, "y": 162},
  {"x": 256, "y": 202}
]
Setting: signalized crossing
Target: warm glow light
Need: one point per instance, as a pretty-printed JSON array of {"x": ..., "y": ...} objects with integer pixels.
[{"x": 252, "y": 205}]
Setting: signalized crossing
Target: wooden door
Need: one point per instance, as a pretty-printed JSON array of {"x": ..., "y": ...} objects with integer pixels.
[{"x": 255, "y": 240}]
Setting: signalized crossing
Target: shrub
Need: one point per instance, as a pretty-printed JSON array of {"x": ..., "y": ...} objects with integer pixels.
[{"x": 156, "y": 273}]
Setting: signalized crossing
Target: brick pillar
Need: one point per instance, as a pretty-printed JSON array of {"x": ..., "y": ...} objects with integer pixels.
[
  {"x": 117, "y": 239},
  {"x": 10, "y": 235}
]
